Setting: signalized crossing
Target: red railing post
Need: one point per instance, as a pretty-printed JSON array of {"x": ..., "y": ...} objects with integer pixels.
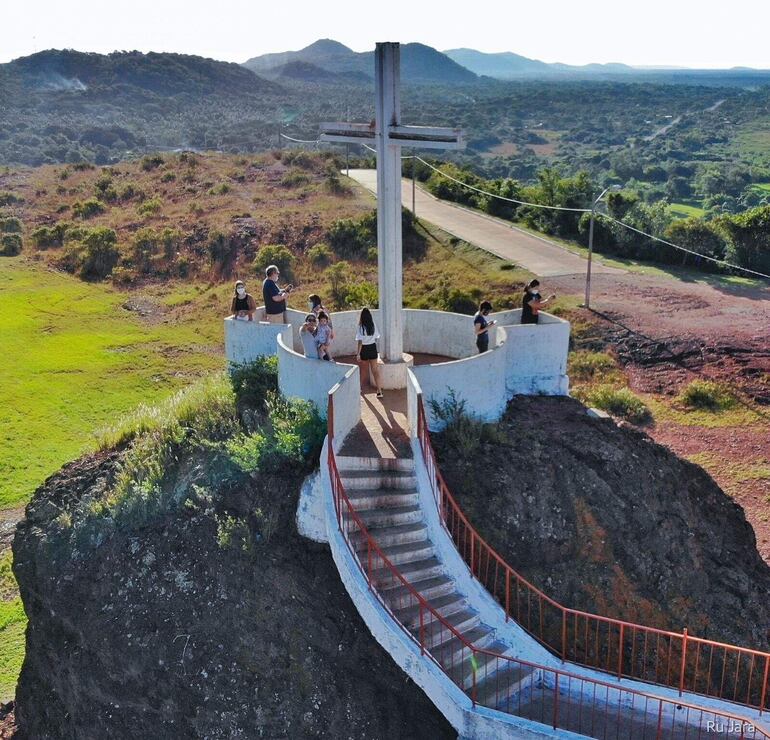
[
  {"x": 563, "y": 635},
  {"x": 556, "y": 703},
  {"x": 764, "y": 685},
  {"x": 507, "y": 593},
  {"x": 473, "y": 667},
  {"x": 620, "y": 652},
  {"x": 422, "y": 630},
  {"x": 473, "y": 549},
  {"x": 369, "y": 562},
  {"x": 660, "y": 720},
  {"x": 684, "y": 661}
]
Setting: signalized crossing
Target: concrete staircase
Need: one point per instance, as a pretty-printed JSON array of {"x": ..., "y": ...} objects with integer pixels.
[{"x": 384, "y": 494}]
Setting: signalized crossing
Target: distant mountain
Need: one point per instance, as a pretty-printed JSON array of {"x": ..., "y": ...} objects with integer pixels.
[
  {"x": 307, "y": 72},
  {"x": 155, "y": 73},
  {"x": 419, "y": 63},
  {"x": 507, "y": 65}
]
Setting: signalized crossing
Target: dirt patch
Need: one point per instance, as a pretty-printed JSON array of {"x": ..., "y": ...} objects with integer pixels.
[{"x": 7, "y": 721}]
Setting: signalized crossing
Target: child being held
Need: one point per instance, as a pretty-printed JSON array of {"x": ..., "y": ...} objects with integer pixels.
[{"x": 323, "y": 336}]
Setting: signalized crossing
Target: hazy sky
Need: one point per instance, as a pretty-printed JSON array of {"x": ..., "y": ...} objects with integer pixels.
[{"x": 662, "y": 32}]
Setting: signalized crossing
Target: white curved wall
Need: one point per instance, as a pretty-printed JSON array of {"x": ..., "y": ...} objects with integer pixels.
[
  {"x": 344, "y": 323},
  {"x": 302, "y": 377},
  {"x": 441, "y": 333},
  {"x": 247, "y": 340},
  {"x": 480, "y": 381},
  {"x": 346, "y": 400}
]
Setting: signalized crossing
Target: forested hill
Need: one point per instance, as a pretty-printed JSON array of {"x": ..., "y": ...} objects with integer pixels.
[
  {"x": 158, "y": 73},
  {"x": 419, "y": 63},
  {"x": 69, "y": 106}
]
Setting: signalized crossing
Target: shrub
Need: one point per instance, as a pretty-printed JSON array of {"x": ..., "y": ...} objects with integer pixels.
[
  {"x": 88, "y": 209},
  {"x": 360, "y": 294},
  {"x": 195, "y": 208},
  {"x": 221, "y": 188},
  {"x": 319, "y": 255},
  {"x": 234, "y": 533},
  {"x": 130, "y": 190},
  {"x": 707, "y": 395},
  {"x": 275, "y": 254},
  {"x": 294, "y": 178},
  {"x": 151, "y": 247},
  {"x": 619, "y": 402},
  {"x": 10, "y": 225},
  {"x": 94, "y": 256},
  {"x": 45, "y": 237},
  {"x": 463, "y": 432},
  {"x": 220, "y": 247},
  {"x": 335, "y": 185},
  {"x": 352, "y": 238},
  {"x": 8, "y": 199},
  {"x": 151, "y": 162},
  {"x": 584, "y": 365},
  {"x": 339, "y": 275},
  {"x": 10, "y": 245},
  {"x": 253, "y": 381},
  {"x": 168, "y": 177},
  {"x": 149, "y": 207},
  {"x": 372, "y": 254}
]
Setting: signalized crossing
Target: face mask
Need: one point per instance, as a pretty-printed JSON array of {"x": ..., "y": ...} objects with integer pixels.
[
  {"x": 533, "y": 290},
  {"x": 310, "y": 305},
  {"x": 241, "y": 291}
]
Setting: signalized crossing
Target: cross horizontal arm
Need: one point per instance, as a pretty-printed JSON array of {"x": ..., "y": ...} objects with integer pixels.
[
  {"x": 427, "y": 137},
  {"x": 349, "y": 133}
]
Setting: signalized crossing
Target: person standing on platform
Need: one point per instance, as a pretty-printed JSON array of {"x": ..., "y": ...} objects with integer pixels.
[
  {"x": 243, "y": 305},
  {"x": 315, "y": 304},
  {"x": 275, "y": 297},
  {"x": 532, "y": 303},
  {"x": 481, "y": 326},
  {"x": 307, "y": 334},
  {"x": 366, "y": 350}
]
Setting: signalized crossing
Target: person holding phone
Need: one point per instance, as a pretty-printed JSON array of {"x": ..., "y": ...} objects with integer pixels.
[
  {"x": 275, "y": 297},
  {"x": 481, "y": 326},
  {"x": 532, "y": 302}
]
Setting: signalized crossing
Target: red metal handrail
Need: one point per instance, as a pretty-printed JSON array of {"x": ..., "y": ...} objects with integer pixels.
[
  {"x": 584, "y": 710},
  {"x": 625, "y": 649}
]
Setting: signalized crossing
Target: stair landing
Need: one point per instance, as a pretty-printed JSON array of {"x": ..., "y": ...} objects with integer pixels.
[{"x": 383, "y": 430}]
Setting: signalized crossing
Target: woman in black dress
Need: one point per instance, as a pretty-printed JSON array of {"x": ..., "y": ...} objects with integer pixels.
[
  {"x": 366, "y": 348},
  {"x": 532, "y": 303}
]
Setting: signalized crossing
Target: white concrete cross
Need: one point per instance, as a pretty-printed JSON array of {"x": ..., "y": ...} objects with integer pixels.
[{"x": 390, "y": 136}]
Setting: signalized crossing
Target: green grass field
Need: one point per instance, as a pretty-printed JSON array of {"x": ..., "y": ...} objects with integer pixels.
[
  {"x": 684, "y": 210},
  {"x": 74, "y": 358}
]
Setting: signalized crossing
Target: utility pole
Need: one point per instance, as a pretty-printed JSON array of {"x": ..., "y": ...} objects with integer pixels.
[
  {"x": 414, "y": 164},
  {"x": 347, "y": 160},
  {"x": 587, "y": 303}
]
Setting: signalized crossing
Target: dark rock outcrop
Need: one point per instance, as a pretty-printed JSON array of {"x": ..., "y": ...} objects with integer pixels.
[
  {"x": 607, "y": 521},
  {"x": 166, "y": 630}
]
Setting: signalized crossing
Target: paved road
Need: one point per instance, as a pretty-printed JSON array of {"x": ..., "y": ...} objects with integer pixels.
[{"x": 534, "y": 253}]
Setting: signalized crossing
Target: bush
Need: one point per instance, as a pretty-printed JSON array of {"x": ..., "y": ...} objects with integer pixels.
[
  {"x": 94, "y": 256},
  {"x": 221, "y": 188},
  {"x": 10, "y": 225},
  {"x": 150, "y": 248},
  {"x": 360, "y": 294},
  {"x": 149, "y": 207},
  {"x": 463, "y": 432},
  {"x": 294, "y": 178},
  {"x": 151, "y": 162},
  {"x": 8, "y": 199},
  {"x": 352, "y": 238},
  {"x": 220, "y": 248},
  {"x": 10, "y": 245},
  {"x": 88, "y": 209},
  {"x": 130, "y": 190},
  {"x": 335, "y": 185},
  {"x": 275, "y": 254},
  {"x": 253, "y": 381},
  {"x": 168, "y": 177},
  {"x": 619, "y": 402},
  {"x": 583, "y": 365},
  {"x": 339, "y": 275},
  {"x": 195, "y": 208},
  {"x": 319, "y": 255},
  {"x": 707, "y": 395}
]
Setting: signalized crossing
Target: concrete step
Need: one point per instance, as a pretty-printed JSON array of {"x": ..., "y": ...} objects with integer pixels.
[
  {"x": 351, "y": 462},
  {"x": 453, "y": 651},
  {"x": 417, "y": 570},
  {"x": 400, "y": 596},
  {"x": 405, "y": 553},
  {"x": 356, "y": 480},
  {"x": 382, "y": 498},
  {"x": 485, "y": 665},
  {"x": 443, "y": 605},
  {"x": 437, "y": 631},
  {"x": 378, "y": 518},
  {"x": 498, "y": 689},
  {"x": 402, "y": 534}
]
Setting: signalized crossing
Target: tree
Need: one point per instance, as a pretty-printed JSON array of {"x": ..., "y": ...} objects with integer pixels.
[
  {"x": 697, "y": 235},
  {"x": 749, "y": 238}
]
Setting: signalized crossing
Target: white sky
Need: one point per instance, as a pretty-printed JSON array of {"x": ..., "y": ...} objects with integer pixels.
[{"x": 704, "y": 34}]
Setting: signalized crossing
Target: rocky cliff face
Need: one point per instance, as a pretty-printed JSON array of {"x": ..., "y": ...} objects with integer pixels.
[
  {"x": 187, "y": 627},
  {"x": 605, "y": 520}
]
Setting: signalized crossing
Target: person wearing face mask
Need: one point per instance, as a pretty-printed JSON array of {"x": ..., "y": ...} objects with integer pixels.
[
  {"x": 532, "y": 303},
  {"x": 274, "y": 297},
  {"x": 481, "y": 326},
  {"x": 243, "y": 305},
  {"x": 315, "y": 304}
]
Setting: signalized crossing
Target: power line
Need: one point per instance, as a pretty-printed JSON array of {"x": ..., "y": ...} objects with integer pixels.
[{"x": 301, "y": 141}]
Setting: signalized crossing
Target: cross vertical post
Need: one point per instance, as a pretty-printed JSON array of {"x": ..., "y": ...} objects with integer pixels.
[{"x": 389, "y": 238}]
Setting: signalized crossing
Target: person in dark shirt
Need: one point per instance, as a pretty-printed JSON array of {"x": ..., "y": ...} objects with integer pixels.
[
  {"x": 481, "y": 326},
  {"x": 275, "y": 297},
  {"x": 532, "y": 303},
  {"x": 243, "y": 305}
]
